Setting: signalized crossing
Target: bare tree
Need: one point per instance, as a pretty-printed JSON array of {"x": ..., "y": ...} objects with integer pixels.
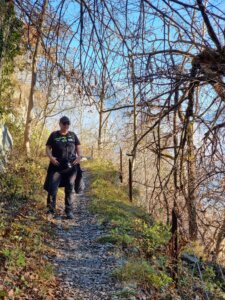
[{"x": 27, "y": 131}]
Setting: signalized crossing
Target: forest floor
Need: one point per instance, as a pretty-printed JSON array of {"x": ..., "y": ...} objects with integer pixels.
[{"x": 112, "y": 249}]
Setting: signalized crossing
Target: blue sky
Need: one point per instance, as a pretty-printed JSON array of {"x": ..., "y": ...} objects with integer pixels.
[{"x": 152, "y": 25}]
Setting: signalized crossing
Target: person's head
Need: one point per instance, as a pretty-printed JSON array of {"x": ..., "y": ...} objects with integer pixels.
[{"x": 64, "y": 124}]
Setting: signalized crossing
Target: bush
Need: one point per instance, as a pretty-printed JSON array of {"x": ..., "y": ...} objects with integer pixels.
[{"x": 143, "y": 273}]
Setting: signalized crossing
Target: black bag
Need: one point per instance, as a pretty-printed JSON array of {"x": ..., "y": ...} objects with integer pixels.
[
  {"x": 79, "y": 182},
  {"x": 65, "y": 165}
]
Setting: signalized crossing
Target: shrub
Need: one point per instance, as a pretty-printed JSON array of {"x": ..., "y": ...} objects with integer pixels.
[{"x": 143, "y": 273}]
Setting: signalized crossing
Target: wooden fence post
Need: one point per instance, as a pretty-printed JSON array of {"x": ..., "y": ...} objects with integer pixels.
[
  {"x": 174, "y": 244},
  {"x": 130, "y": 181},
  {"x": 121, "y": 166}
]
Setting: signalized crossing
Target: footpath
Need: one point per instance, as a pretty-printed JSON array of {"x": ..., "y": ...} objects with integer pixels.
[{"x": 83, "y": 264}]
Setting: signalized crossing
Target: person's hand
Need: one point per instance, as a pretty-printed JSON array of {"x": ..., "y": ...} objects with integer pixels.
[
  {"x": 77, "y": 160},
  {"x": 54, "y": 161}
]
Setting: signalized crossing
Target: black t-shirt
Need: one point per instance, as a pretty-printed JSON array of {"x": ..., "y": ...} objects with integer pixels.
[{"x": 63, "y": 146}]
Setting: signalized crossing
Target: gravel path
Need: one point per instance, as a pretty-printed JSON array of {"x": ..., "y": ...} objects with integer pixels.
[{"x": 84, "y": 264}]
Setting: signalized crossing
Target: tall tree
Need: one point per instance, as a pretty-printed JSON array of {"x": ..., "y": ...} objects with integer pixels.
[{"x": 27, "y": 131}]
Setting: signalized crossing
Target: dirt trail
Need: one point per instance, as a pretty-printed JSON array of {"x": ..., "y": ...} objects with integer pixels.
[{"x": 84, "y": 264}]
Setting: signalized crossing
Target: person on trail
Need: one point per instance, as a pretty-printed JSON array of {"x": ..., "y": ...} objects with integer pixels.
[{"x": 64, "y": 151}]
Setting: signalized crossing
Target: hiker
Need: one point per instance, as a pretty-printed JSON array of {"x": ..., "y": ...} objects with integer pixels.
[{"x": 64, "y": 151}]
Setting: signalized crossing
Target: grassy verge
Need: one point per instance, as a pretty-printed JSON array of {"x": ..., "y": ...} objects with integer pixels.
[
  {"x": 142, "y": 241},
  {"x": 139, "y": 237},
  {"x": 25, "y": 270}
]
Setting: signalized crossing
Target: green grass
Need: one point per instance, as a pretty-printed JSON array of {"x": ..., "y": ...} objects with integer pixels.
[
  {"x": 106, "y": 239},
  {"x": 130, "y": 227},
  {"x": 140, "y": 239},
  {"x": 129, "y": 224},
  {"x": 144, "y": 273}
]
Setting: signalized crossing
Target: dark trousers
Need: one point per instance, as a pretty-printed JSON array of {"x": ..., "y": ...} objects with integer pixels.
[{"x": 54, "y": 181}]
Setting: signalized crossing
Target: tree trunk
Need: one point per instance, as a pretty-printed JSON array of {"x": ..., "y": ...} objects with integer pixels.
[
  {"x": 27, "y": 131},
  {"x": 191, "y": 164},
  {"x": 174, "y": 221},
  {"x": 220, "y": 238},
  {"x": 134, "y": 112},
  {"x": 100, "y": 125},
  {"x": 101, "y": 106},
  {"x": 191, "y": 201}
]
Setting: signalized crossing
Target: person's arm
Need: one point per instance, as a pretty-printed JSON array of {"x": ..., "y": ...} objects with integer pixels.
[
  {"x": 78, "y": 151},
  {"x": 78, "y": 158},
  {"x": 53, "y": 160}
]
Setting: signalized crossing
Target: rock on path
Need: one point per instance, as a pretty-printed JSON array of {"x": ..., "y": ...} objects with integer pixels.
[{"x": 84, "y": 264}]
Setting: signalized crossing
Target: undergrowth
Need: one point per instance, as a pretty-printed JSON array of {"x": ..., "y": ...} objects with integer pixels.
[
  {"x": 142, "y": 240},
  {"x": 25, "y": 271}
]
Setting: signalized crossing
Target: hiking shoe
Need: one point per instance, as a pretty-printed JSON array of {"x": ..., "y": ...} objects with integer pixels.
[{"x": 70, "y": 215}]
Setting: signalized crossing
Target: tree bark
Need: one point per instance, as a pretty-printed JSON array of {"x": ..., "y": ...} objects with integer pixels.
[
  {"x": 27, "y": 131},
  {"x": 134, "y": 112},
  {"x": 191, "y": 164},
  {"x": 220, "y": 238},
  {"x": 100, "y": 125}
]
